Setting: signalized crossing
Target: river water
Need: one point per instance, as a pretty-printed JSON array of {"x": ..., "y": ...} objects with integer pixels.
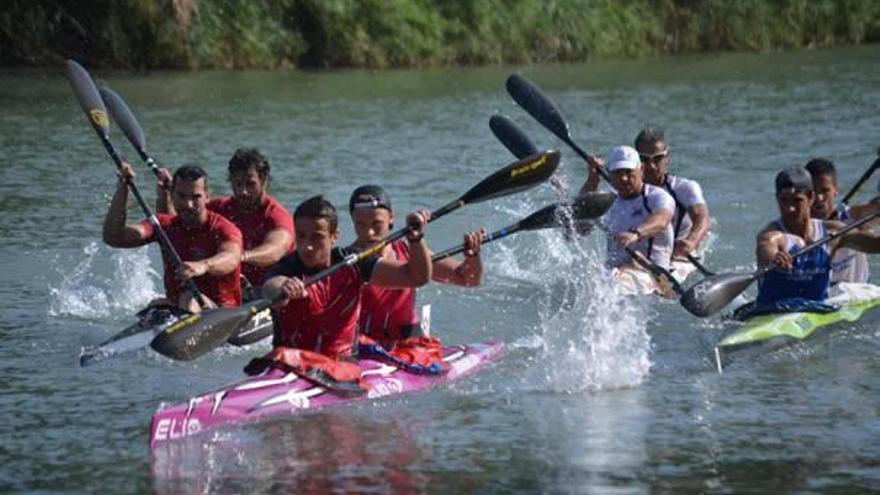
[{"x": 598, "y": 393}]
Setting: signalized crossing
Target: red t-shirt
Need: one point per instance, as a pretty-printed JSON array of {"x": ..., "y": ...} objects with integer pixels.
[
  {"x": 255, "y": 226},
  {"x": 326, "y": 321},
  {"x": 388, "y": 315},
  {"x": 197, "y": 244}
]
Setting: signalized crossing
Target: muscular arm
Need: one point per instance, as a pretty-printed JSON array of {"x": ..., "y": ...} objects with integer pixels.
[
  {"x": 466, "y": 273},
  {"x": 859, "y": 212},
  {"x": 222, "y": 263},
  {"x": 274, "y": 246},
  {"x": 701, "y": 222},
  {"x": 116, "y": 232},
  {"x": 592, "y": 182},
  {"x": 865, "y": 242},
  {"x": 770, "y": 243},
  {"x": 415, "y": 272}
]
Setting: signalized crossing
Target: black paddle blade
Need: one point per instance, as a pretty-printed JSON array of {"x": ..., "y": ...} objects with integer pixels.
[
  {"x": 585, "y": 207},
  {"x": 514, "y": 139},
  {"x": 710, "y": 295},
  {"x": 538, "y": 105},
  {"x": 88, "y": 97},
  {"x": 201, "y": 333},
  {"x": 518, "y": 176},
  {"x": 124, "y": 118}
]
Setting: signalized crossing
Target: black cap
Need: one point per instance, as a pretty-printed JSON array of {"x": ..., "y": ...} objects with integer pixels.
[
  {"x": 369, "y": 196},
  {"x": 794, "y": 178}
]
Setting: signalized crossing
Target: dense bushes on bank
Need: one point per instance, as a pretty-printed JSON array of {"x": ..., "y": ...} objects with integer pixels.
[{"x": 402, "y": 33}]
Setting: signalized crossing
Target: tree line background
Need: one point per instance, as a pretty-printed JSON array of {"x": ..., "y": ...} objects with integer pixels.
[{"x": 238, "y": 34}]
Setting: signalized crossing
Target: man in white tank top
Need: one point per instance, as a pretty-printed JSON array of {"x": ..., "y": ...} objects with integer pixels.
[
  {"x": 641, "y": 215},
  {"x": 846, "y": 265},
  {"x": 691, "y": 221}
]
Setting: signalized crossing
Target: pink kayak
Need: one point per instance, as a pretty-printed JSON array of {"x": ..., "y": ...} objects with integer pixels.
[{"x": 275, "y": 393}]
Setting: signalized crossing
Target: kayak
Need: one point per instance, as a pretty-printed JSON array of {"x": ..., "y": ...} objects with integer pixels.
[
  {"x": 857, "y": 302},
  {"x": 638, "y": 282},
  {"x": 277, "y": 394},
  {"x": 155, "y": 319}
]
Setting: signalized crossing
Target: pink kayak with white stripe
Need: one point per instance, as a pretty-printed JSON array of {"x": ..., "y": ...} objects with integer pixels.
[{"x": 276, "y": 393}]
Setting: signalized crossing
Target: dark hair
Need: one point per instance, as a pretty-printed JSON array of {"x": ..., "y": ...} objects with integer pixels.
[
  {"x": 245, "y": 158},
  {"x": 821, "y": 166},
  {"x": 648, "y": 136},
  {"x": 189, "y": 173},
  {"x": 318, "y": 207}
]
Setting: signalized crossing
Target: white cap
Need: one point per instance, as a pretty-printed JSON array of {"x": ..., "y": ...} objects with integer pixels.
[{"x": 623, "y": 158}]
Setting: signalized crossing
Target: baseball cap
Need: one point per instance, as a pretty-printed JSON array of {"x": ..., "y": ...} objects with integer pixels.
[
  {"x": 369, "y": 196},
  {"x": 794, "y": 178},
  {"x": 623, "y": 158}
]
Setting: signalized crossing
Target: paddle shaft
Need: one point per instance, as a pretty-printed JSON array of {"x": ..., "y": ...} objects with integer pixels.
[
  {"x": 865, "y": 176},
  {"x": 494, "y": 236}
]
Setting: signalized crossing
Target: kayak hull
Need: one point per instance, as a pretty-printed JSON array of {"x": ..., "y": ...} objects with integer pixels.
[
  {"x": 278, "y": 394},
  {"x": 858, "y": 302},
  {"x": 638, "y": 282}
]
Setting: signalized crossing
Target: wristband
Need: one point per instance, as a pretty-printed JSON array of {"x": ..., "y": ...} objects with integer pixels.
[
  {"x": 635, "y": 230},
  {"x": 244, "y": 256}
]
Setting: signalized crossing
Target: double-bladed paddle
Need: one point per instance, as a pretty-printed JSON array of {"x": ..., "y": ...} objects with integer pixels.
[
  {"x": 528, "y": 96},
  {"x": 90, "y": 100},
  {"x": 710, "y": 295},
  {"x": 184, "y": 340},
  {"x": 585, "y": 207}
]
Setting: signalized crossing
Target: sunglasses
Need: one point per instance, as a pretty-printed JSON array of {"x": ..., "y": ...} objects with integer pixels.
[{"x": 655, "y": 158}]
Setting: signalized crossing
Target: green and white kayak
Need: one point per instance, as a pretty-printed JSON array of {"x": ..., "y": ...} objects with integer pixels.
[{"x": 764, "y": 332}]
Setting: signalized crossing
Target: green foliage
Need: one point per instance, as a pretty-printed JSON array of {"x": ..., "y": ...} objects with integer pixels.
[{"x": 404, "y": 33}]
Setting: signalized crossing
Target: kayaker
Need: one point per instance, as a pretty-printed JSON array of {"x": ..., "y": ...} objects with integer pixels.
[
  {"x": 389, "y": 314},
  {"x": 691, "y": 221},
  {"x": 641, "y": 215},
  {"x": 267, "y": 226},
  {"x": 323, "y": 318},
  {"x": 808, "y": 276},
  {"x": 846, "y": 265},
  {"x": 209, "y": 245}
]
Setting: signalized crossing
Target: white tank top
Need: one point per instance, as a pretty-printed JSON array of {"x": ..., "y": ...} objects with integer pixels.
[
  {"x": 626, "y": 214},
  {"x": 686, "y": 193}
]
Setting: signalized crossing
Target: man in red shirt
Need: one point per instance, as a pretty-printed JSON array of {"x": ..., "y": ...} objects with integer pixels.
[
  {"x": 323, "y": 317},
  {"x": 389, "y": 315},
  {"x": 209, "y": 245},
  {"x": 265, "y": 223}
]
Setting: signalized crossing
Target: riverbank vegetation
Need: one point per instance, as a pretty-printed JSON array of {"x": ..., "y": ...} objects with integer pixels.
[{"x": 194, "y": 34}]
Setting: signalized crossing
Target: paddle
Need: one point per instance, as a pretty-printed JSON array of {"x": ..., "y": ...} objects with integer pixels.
[
  {"x": 865, "y": 176},
  {"x": 511, "y": 136},
  {"x": 541, "y": 108},
  {"x": 185, "y": 342},
  {"x": 712, "y": 294},
  {"x": 90, "y": 101},
  {"x": 585, "y": 207},
  {"x": 124, "y": 117}
]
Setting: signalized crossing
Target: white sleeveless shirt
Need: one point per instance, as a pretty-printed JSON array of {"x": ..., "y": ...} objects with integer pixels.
[
  {"x": 626, "y": 214},
  {"x": 848, "y": 265}
]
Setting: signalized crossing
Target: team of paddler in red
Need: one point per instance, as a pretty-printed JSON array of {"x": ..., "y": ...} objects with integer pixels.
[{"x": 251, "y": 237}]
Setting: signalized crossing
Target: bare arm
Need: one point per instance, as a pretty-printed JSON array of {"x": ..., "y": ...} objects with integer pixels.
[
  {"x": 770, "y": 248},
  {"x": 163, "y": 193},
  {"x": 222, "y": 263},
  {"x": 418, "y": 269},
  {"x": 865, "y": 242},
  {"x": 592, "y": 182},
  {"x": 653, "y": 225},
  {"x": 468, "y": 272},
  {"x": 700, "y": 220},
  {"x": 290, "y": 287},
  {"x": 116, "y": 232},
  {"x": 276, "y": 244}
]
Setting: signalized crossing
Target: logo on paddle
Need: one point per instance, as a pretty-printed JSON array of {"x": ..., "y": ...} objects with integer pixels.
[
  {"x": 99, "y": 118},
  {"x": 529, "y": 167}
]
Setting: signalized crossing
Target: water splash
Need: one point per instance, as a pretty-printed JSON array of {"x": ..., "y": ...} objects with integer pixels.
[
  {"x": 591, "y": 335},
  {"x": 85, "y": 292}
]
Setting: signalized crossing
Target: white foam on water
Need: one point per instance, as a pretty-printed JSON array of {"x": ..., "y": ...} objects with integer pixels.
[
  {"x": 591, "y": 335},
  {"x": 93, "y": 288}
]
